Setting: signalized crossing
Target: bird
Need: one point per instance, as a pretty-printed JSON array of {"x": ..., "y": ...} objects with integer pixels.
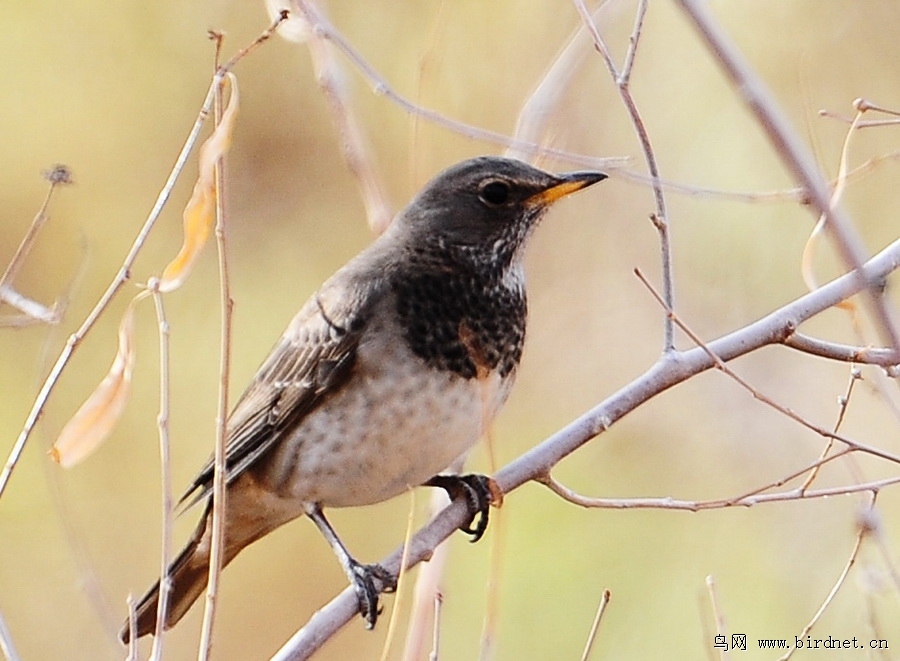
[{"x": 391, "y": 371}]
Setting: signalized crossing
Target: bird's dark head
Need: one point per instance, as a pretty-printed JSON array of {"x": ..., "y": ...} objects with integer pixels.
[{"x": 485, "y": 208}]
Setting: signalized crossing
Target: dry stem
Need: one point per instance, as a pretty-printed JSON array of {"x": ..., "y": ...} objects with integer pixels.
[{"x": 165, "y": 584}]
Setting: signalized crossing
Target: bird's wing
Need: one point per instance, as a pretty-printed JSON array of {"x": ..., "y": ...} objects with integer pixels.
[{"x": 313, "y": 358}]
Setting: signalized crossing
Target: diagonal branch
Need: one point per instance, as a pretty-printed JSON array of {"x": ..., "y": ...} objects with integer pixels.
[
  {"x": 322, "y": 27},
  {"x": 121, "y": 277}
]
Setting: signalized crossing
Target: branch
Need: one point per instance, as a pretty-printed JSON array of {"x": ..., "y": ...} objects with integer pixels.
[
  {"x": 887, "y": 358},
  {"x": 33, "y": 311},
  {"x": 796, "y": 158},
  {"x": 854, "y": 553},
  {"x": 165, "y": 473},
  {"x": 799, "y": 493},
  {"x": 670, "y": 370},
  {"x": 121, "y": 277},
  {"x": 59, "y": 175},
  {"x": 381, "y": 87},
  {"x": 661, "y": 217},
  {"x": 719, "y": 364}
]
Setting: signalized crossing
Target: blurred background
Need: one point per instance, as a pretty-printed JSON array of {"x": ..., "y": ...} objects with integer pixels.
[{"x": 111, "y": 90}]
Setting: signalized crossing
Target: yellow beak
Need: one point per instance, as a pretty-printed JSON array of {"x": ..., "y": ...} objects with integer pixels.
[{"x": 566, "y": 183}]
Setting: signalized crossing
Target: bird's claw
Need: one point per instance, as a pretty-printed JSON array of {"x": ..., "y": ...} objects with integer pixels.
[
  {"x": 369, "y": 581},
  {"x": 479, "y": 492}
]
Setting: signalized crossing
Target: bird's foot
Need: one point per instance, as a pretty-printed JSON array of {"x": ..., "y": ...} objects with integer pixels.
[
  {"x": 369, "y": 581},
  {"x": 479, "y": 492}
]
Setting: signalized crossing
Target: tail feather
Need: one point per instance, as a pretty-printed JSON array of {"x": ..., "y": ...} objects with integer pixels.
[
  {"x": 189, "y": 573},
  {"x": 253, "y": 512}
]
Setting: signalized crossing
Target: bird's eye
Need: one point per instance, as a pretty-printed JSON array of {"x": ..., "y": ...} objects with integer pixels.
[{"x": 495, "y": 192}]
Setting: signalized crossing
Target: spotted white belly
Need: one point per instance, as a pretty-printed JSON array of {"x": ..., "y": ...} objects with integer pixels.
[{"x": 396, "y": 423}]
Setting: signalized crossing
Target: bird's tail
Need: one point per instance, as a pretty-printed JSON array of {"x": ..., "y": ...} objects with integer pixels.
[{"x": 189, "y": 573}]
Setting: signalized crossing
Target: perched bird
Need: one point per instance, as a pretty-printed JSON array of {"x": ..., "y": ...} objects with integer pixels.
[{"x": 391, "y": 371}]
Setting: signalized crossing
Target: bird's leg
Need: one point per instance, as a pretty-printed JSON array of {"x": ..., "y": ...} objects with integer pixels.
[
  {"x": 362, "y": 577},
  {"x": 479, "y": 492}
]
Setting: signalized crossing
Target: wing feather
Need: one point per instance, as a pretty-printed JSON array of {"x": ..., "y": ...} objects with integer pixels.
[{"x": 314, "y": 357}]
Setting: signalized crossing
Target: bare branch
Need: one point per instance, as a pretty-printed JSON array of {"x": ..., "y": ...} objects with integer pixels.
[
  {"x": 887, "y": 358},
  {"x": 661, "y": 217},
  {"x": 860, "y": 535},
  {"x": 226, "y": 305},
  {"x": 165, "y": 470},
  {"x": 120, "y": 279},
  {"x": 765, "y": 399},
  {"x": 381, "y": 87},
  {"x": 34, "y": 312},
  {"x": 800, "y": 493},
  {"x": 264, "y": 36},
  {"x": 795, "y": 157},
  {"x": 843, "y": 404},
  {"x": 59, "y": 175},
  {"x": 717, "y": 612},
  {"x": 592, "y": 636}
]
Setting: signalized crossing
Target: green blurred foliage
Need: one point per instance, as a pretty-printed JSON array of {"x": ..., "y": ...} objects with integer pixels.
[{"x": 112, "y": 89}]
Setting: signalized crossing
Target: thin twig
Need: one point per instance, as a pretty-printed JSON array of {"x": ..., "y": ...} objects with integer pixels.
[
  {"x": 120, "y": 279},
  {"x": 401, "y": 579},
  {"x": 717, "y": 613},
  {"x": 436, "y": 638},
  {"x": 34, "y": 312},
  {"x": 427, "y": 590},
  {"x": 765, "y": 399},
  {"x": 592, "y": 636},
  {"x": 59, "y": 175},
  {"x": 867, "y": 124},
  {"x": 381, "y": 87},
  {"x": 132, "y": 630},
  {"x": 633, "y": 41},
  {"x": 799, "y": 493},
  {"x": 796, "y": 158},
  {"x": 795, "y": 194},
  {"x": 165, "y": 470},
  {"x": 661, "y": 217},
  {"x": 806, "y": 261},
  {"x": 777, "y": 484},
  {"x": 428, "y": 581},
  {"x": 219, "y": 467},
  {"x": 865, "y": 105},
  {"x": 843, "y": 404},
  {"x": 860, "y": 535},
  {"x": 246, "y": 50},
  {"x": 887, "y": 358}
]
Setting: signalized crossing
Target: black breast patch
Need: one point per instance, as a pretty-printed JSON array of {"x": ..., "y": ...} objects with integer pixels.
[{"x": 462, "y": 323}]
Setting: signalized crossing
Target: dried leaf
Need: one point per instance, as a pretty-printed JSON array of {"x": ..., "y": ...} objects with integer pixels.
[
  {"x": 807, "y": 269},
  {"x": 96, "y": 418},
  {"x": 200, "y": 212}
]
